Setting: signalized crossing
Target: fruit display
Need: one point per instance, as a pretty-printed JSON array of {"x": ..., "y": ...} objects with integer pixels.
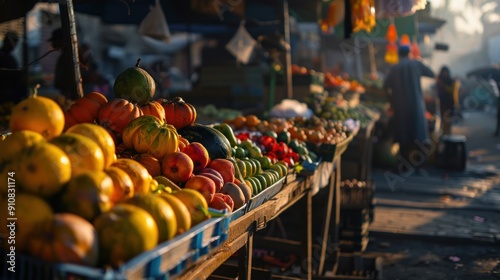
[
  {"x": 342, "y": 83},
  {"x": 132, "y": 172}
]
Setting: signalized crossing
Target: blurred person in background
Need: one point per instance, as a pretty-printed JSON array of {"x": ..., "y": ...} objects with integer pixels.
[
  {"x": 11, "y": 77},
  {"x": 63, "y": 65},
  {"x": 92, "y": 80},
  {"x": 447, "y": 90},
  {"x": 404, "y": 91}
]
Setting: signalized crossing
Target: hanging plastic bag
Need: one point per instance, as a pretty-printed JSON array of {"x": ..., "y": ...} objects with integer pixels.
[
  {"x": 241, "y": 45},
  {"x": 155, "y": 25}
]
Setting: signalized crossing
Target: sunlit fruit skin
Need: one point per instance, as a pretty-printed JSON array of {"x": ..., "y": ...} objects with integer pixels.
[
  {"x": 178, "y": 112},
  {"x": 66, "y": 238},
  {"x": 196, "y": 204},
  {"x": 153, "y": 108},
  {"x": 180, "y": 210},
  {"x": 151, "y": 163},
  {"x": 160, "y": 210},
  {"x": 42, "y": 169},
  {"x": 135, "y": 85},
  {"x": 40, "y": 114},
  {"x": 88, "y": 194},
  {"x": 83, "y": 152},
  {"x": 177, "y": 167},
  {"x": 138, "y": 173},
  {"x": 124, "y": 232},
  {"x": 148, "y": 134},
  {"x": 99, "y": 135},
  {"x": 123, "y": 187},
  {"x": 17, "y": 141},
  {"x": 117, "y": 114},
  {"x": 85, "y": 109}
]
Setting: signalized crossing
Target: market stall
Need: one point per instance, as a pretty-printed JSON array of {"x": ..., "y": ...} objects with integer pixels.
[{"x": 261, "y": 169}]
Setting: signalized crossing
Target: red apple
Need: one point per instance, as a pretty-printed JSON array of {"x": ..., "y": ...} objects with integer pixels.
[
  {"x": 177, "y": 166},
  {"x": 222, "y": 201},
  {"x": 219, "y": 182},
  {"x": 198, "y": 153},
  {"x": 202, "y": 184},
  {"x": 225, "y": 168}
]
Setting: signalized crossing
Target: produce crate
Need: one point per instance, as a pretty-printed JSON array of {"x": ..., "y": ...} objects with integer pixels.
[
  {"x": 357, "y": 197},
  {"x": 265, "y": 195},
  {"x": 164, "y": 262},
  {"x": 358, "y": 267},
  {"x": 330, "y": 152}
]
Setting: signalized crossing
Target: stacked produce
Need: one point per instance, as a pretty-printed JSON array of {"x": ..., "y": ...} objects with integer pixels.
[
  {"x": 281, "y": 141},
  {"x": 107, "y": 180}
]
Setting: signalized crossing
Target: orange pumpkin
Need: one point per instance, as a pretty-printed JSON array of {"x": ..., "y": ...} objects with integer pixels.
[
  {"x": 178, "y": 112},
  {"x": 153, "y": 108},
  {"x": 148, "y": 134},
  {"x": 117, "y": 114},
  {"x": 151, "y": 163},
  {"x": 86, "y": 109}
]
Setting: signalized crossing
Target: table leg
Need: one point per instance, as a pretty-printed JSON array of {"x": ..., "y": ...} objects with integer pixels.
[
  {"x": 306, "y": 234},
  {"x": 245, "y": 259},
  {"x": 332, "y": 208}
]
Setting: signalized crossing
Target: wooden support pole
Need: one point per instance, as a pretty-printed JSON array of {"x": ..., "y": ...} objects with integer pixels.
[
  {"x": 288, "y": 54},
  {"x": 70, "y": 47}
]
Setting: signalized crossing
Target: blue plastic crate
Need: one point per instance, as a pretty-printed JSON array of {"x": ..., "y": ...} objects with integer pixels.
[{"x": 163, "y": 262}]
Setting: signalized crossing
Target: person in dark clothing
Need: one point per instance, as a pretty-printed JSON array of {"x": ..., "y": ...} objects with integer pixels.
[
  {"x": 11, "y": 77},
  {"x": 447, "y": 89},
  {"x": 409, "y": 123}
]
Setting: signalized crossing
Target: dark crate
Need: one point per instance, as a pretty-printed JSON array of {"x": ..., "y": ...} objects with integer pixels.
[
  {"x": 354, "y": 218},
  {"x": 359, "y": 266}
]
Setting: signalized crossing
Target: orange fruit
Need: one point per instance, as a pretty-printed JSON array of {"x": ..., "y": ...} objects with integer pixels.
[
  {"x": 239, "y": 122},
  {"x": 99, "y": 135},
  {"x": 195, "y": 203},
  {"x": 137, "y": 172},
  {"x": 123, "y": 187},
  {"x": 84, "y": 154},
  {"x": 17, "y": 141},
  {"x": 42, "y": 169},
  {"x": 124, "y": 232},
  {"x": 160, "y": 210},
  {"x": 252, "y": 121},
  {"x": 88, "y": 194},
  {"x": 181, "y": 212},
  {"x": 39, "y": 114}
]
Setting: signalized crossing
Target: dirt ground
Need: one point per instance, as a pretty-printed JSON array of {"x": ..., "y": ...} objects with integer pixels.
[{"x": 405, "y": 259}]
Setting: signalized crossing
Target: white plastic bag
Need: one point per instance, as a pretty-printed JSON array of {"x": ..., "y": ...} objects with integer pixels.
[
  {"x": 241, "y": 45},
  {"x": 155, "y": 25}
]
